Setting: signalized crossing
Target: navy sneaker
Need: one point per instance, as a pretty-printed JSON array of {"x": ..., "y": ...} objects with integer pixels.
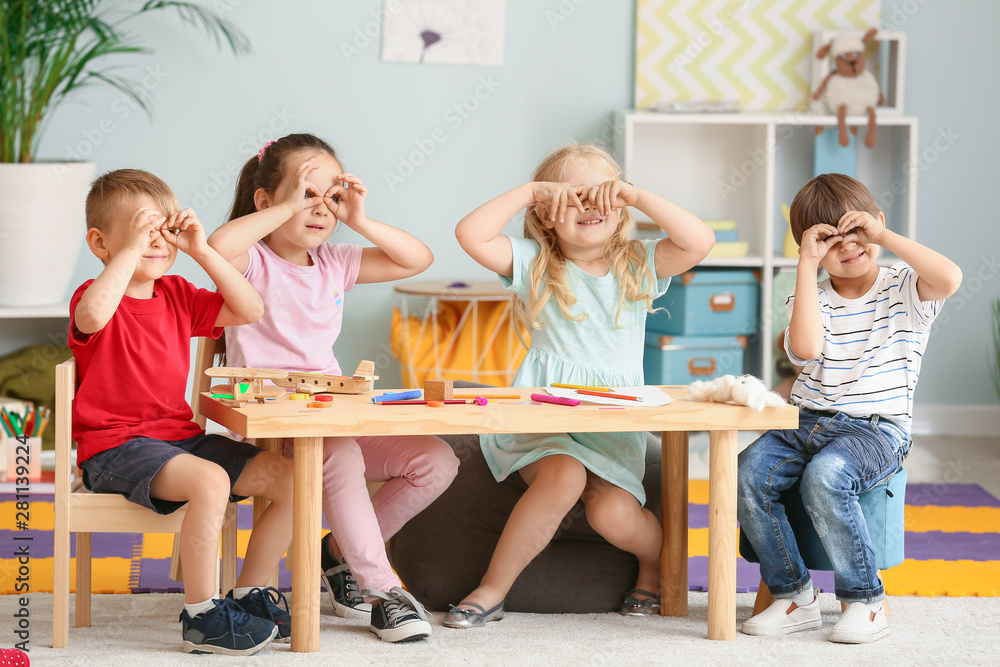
[
  {"x": 226, "y": 629},
  {"x": 397, "y": 616},
  {"x": 263, "y": 603},
  {"x": 345, "y": 594}
]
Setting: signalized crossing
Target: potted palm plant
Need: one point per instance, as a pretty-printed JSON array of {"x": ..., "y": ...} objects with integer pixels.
[{"x": 49, "y": 52}]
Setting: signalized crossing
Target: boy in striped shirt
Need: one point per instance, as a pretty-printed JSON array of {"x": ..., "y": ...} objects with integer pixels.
[{"x": 859, "y": 336}]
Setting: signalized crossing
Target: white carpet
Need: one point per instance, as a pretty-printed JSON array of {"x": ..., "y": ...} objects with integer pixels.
[{"x": 143, "y": 630}]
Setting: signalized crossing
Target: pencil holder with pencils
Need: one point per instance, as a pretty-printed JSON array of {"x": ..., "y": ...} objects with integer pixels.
[{"x": 21, "y": 438}]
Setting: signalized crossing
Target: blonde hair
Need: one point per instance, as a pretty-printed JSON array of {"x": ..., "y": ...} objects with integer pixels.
[
  {"x": 117, "y": 190},
  {"x": 547, "y": 274}
]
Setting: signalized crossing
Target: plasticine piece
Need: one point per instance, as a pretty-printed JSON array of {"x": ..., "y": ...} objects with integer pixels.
[
  {"x": 435, "y": 404},
  {"x": 559, "y": 400},
  {"x": 397, "y": 396},
  {"x": 318, "y": 404},
  {"x": 298, "y": 397},
  {"x": 326, "y": 398}
]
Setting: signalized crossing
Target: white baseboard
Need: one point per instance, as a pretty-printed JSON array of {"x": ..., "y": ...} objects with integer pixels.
[{"x": 957, "y": 420}]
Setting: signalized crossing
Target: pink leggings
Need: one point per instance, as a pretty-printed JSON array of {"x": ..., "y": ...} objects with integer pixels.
[{"x": 415, "y": 470}]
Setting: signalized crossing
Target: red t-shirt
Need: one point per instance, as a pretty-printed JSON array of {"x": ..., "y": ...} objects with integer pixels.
[{"x": 131, "y": 376}]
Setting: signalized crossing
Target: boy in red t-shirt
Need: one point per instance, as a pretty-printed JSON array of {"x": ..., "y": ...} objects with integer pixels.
[{"x": 130, "y": 331}]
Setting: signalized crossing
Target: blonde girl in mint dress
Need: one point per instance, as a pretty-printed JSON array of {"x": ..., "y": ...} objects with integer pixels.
[{"x": 584, "y": 289}]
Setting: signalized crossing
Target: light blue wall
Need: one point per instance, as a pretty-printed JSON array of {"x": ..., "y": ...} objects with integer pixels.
[
  {"x": 951, "y": 50},
  {"x": 567, "y": 65}
]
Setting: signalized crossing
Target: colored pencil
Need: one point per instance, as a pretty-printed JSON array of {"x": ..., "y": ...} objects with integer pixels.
[
  {"x": 479, "y": 400},
  {"x": 11, "y": 422},
  {"x": 5, "y": 421},
  {"x": 581, "y": 386},
  {"x": 28, "y": 425},
  {"x": 606, "y": 394},
  {"x": 491, "y": 397},
  {"x": 46, "y": 414}
]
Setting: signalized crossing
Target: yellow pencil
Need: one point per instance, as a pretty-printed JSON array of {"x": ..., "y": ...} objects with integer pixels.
[{"x": 580, "y": 386}]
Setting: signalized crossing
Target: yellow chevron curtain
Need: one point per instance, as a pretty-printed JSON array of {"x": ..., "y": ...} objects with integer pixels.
[{"x": 756, "y": 52}]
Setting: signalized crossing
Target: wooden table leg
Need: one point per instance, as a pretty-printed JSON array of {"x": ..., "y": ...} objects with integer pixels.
[
  {"x": 674, "y": 499},
  {"x": 722, "y": 535},
  {"x": 275, "y": 445},
  {"x": 305, "y": 544}
]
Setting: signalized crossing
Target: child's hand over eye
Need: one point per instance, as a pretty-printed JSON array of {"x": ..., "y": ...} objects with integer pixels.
[
  {"x": 817, "y": 241},
  {"x": 552, "y": 199},
  {"x": 143, "y": 228},
  {"x": 860, "y": 227},
  {"x": 611, "y": 195},
  {"x": 184, "y": 230},
  {"x": 303, "y": 195},
  {"x": 347, "y": 203}
]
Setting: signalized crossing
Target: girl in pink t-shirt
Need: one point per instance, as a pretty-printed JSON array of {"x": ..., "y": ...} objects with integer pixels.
[{"x": 289, "y": 199}]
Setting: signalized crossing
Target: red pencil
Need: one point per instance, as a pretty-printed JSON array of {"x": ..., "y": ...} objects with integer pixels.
[
  {"x": 587, "y": 392},
  {"x": 478, "y": 400}
]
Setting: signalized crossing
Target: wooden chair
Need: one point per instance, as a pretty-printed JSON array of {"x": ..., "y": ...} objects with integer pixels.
[
  {"x": 882, "y": 507},
  {"x": 81, "y": 512},
  {"x": 204, "y": 358}
]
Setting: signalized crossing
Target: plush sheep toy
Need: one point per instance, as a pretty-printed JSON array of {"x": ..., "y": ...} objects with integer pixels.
[
  {"x": 743, "y": 390},
  {"x": 850, "y": 89}
]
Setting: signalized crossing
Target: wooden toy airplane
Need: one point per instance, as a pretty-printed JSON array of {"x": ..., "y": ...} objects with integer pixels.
[{"x": 246, "y": 383}]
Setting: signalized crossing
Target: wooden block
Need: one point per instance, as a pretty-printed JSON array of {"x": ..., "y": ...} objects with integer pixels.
[{"x": 438, "y": 390}]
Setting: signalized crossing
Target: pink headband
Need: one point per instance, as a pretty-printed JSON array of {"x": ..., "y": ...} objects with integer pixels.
[{"x": 260, "y": 153}]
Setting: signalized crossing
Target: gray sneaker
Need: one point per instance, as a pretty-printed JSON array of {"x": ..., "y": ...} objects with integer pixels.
[
  {"x": 345, "y": 594},
  {"x": 397, "y": 616}
]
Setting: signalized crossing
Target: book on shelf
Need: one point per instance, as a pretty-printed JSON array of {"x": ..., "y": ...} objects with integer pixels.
[{"x": 729, "y": 249}]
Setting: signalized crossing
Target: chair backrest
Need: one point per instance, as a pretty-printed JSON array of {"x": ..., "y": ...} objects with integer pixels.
[
  {"x": 204, "y": 358},
  {"x": 65, "y": 393}
]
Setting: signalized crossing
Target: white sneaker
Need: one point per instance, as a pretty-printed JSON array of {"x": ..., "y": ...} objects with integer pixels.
[
  {"x": 860, "y": 625},
  {"x": 784, "y": 617}
]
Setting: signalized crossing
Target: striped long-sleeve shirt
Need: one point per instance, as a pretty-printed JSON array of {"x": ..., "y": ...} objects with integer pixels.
[{"x": 872, "y": 349}]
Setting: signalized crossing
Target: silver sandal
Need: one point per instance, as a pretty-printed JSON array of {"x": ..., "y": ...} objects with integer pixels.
[
  {"x": 471, "y": 618},
  {"x": 633, "y": 606}
]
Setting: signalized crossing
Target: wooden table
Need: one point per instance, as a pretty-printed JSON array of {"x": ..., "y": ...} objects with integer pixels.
[{"x": 357, "y": 416}]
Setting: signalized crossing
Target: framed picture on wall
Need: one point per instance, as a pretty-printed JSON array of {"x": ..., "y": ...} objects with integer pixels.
[{"x": 457, "y": 32}]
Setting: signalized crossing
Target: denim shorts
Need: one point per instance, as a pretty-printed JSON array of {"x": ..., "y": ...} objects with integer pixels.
[{"x": 129, "y": 468}]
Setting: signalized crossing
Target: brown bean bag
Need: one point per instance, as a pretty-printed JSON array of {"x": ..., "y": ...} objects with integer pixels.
[{"x": 443, "y": 552}]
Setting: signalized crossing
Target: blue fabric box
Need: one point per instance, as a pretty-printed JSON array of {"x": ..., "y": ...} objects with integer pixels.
[
  {"x": 882, "y": 507},
  {"x": 684, "y": 359},
  {"x": 709, "y": 302}
]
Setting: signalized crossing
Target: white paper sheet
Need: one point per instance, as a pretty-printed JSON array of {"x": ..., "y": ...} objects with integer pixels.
[{"x": 650, "y": 396}]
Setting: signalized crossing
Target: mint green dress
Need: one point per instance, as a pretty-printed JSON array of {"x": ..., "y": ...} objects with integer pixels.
[{"x": 594, "y": 352}]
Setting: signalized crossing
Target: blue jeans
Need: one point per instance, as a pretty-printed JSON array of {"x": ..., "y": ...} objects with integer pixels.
[{"x": 836, "y": 457}]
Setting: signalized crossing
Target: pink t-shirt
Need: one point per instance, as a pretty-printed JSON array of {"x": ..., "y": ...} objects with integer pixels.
[{"x": 303, "y": 310}]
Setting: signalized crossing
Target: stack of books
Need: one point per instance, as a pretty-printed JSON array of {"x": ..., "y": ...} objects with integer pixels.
[{"x": 727, "y": 239}]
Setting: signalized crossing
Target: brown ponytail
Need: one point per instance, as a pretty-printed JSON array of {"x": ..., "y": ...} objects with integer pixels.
[{"x": 267, "y": 170}]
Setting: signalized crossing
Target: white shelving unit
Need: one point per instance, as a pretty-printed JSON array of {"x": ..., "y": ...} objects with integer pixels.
[
  {"x": 24, "y": 326},
  {"x": 743, "y": 166}
]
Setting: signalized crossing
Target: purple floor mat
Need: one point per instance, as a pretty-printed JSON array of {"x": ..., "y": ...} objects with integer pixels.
[
  {"x": 949, "y": 495},
  {"x": 103, "y": 545},
  {"x": 936, "y": 545},
  {"x": 747, "y": 576}
]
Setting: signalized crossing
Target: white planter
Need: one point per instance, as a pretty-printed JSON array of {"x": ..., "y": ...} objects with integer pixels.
[{"x": 42, "y": 227}]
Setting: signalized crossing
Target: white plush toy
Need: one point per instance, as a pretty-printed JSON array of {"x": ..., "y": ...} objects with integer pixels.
[
  {"x": 849, "y": 89},
  {"x": 743, "y": 390}
]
